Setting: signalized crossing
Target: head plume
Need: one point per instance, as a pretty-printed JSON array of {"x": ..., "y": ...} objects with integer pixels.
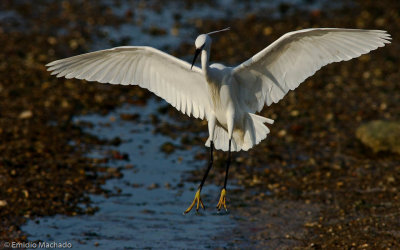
[{"x": 213, "y": 32}]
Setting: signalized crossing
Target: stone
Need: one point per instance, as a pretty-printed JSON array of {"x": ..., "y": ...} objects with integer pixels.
[{"x": 380, "y": 135}]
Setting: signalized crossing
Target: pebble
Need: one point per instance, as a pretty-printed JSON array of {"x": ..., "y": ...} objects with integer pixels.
[{"x": 25, "y": 114}]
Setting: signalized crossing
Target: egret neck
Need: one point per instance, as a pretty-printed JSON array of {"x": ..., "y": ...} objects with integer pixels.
[{"x": 205, "y": 57}]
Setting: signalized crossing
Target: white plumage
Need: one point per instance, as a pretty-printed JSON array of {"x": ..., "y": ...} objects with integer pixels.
[
  {"x": 227, "y": 97},
  {"x": 164, "y": 75}
]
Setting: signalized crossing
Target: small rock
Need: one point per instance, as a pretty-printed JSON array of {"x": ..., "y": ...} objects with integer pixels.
[
  {"x": 311, "y": 224},
  {"x": 137, "y": 185},
  {"x": 156, "y": 31},
  {"x": 25, "y": 114},
  {"x": 119, "y": 156},
  {"x": 267, "y": 31},
  {"x": 112, "y": 170},
  {"x": 380, "y": 135},
  {"x": 52, "y": 40},
  {"x": 282, "y": 133},
  {"x": 3, "y": 203},
  {"x": 129, "y": 117},
  {"x": 129, "y": 166},
  {"x": 153, "y": 186},
  {"x": 168, "y": 148},
  {"x": 294, "y": 113},
  {"x": 147, "y": 211},
  {"x": 26, "y": 193}
]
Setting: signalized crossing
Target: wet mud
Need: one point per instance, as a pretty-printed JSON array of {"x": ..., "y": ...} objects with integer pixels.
[{"x": 310, "y": 184}]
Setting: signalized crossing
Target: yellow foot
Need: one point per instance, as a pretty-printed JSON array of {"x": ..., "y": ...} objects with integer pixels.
[
  {"x": 222, "y": 200},
  {"x": 197, "y": 200}
]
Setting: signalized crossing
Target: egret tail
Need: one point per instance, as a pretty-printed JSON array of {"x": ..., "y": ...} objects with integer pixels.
[{"x": 252, "y": 132}]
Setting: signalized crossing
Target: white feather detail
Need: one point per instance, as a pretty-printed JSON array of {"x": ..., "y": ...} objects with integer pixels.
[
  {"x": 166, "y": 76},
  {"x": 282, "y": 66}
]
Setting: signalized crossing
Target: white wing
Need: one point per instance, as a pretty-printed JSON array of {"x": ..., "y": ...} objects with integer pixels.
[
  {"x": 165, "y": 75},
  {"x": 283, "y": 65}
]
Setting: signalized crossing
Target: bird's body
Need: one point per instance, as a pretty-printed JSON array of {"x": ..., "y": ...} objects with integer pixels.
[
  {"x": 228, "y": 97},
  {"x": 228, "y": 117}
]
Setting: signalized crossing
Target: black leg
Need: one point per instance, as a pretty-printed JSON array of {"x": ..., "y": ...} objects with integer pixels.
[
  {"x": 222, "y": 199},
  {"x": 209, "y": 165},
  {"x": 228, "y": 162},
  {"x": 197, "y": 199}
]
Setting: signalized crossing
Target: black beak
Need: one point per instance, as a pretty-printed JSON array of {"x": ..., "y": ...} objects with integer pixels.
[{"x": 196, "y": 53}]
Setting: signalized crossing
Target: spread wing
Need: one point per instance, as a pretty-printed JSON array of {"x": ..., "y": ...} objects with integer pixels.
[
  {"x": 168, "y": 77},
  {"x": 283, "y": 65}
]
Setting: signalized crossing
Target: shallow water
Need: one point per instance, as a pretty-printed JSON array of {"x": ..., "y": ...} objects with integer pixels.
[
  {"x": 148, "y": 211},
  {"x": 179, "y": 19}
]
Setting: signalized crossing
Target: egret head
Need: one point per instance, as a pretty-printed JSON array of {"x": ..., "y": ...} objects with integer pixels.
[{"x": 201, "y": 42}]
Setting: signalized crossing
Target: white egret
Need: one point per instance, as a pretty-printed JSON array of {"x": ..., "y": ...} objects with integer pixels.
[{"x": 227, "y": 97}]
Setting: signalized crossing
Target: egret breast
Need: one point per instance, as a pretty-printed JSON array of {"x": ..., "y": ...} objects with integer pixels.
[{"x": 219, "y": 87}]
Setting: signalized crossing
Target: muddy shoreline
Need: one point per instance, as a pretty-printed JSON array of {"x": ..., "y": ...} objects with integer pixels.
[{"x": 346, "y": 194}]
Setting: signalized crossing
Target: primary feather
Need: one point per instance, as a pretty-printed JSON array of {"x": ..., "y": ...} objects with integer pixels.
[
  {"x": 168, "y": 77},
  {"x": 282, "y": 66}
]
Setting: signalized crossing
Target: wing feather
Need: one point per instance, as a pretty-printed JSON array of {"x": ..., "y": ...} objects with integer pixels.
[
  {"x": 270, "y": 74},
  {"x": 166, "y": 76}
]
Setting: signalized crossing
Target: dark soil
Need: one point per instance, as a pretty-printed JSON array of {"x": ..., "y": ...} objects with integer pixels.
[
  {"x": 312, "y": 155},
  {"x": 43, "y": 167},
  {"x": 347, "y": 196}
]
